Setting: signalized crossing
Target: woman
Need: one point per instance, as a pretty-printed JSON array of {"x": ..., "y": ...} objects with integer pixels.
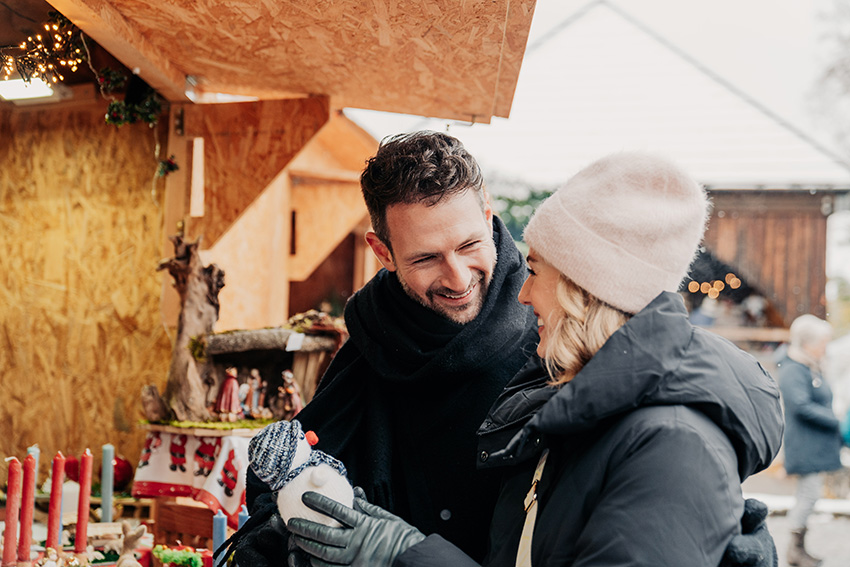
[
  {"x": 629, "y": 444},
  {"x": 812, "y": 436}
]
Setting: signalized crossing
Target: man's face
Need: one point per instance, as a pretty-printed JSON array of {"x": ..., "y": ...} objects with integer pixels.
[{"x": 443, "y": 255}]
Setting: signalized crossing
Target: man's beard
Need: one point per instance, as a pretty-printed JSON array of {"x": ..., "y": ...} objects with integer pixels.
[{"x": 462, "y": 314}]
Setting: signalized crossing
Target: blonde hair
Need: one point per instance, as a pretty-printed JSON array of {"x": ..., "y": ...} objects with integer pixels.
[{"x": 585, "y": 324}]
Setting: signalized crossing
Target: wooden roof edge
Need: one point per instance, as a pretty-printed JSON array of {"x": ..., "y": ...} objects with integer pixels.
[
  {"x": 518, "y": 18},
  {"x": 111, "y": 31},
  {"x": 365, "y": 137}
]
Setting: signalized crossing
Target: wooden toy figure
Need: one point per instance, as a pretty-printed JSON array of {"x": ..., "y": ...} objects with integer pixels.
[
  {"x": 287, "y": 402},
  {"x": 227, "y": 404}
]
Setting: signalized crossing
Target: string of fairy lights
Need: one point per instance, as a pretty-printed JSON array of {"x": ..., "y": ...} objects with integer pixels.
[
  {"x": 47, "y": 55},
  {"x": 713, "y": 288},
  {"x": 62, "y": 48}
]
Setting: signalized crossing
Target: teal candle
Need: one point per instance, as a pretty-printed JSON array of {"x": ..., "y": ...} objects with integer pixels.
[
  {"x": 243, "y": 515},
  {"x": 107, "y": 481},
  {"x": 219, "y": 533}
]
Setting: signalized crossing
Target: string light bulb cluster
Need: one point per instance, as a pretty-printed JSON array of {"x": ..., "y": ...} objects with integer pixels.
[
  {"x": 45, "y": 55},
  {"x": 713, "y": 288}
]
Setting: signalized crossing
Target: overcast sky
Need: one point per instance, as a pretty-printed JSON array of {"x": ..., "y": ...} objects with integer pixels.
[{"x": 770, "y": 49}]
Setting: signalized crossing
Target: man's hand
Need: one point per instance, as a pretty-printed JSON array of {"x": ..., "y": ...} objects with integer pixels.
[
  {"x": 370, "y": 535},
  {"x": 754, "y": 547}
]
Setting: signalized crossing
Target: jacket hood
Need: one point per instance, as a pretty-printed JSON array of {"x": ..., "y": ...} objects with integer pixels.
[{"x": 659, "y": 358}]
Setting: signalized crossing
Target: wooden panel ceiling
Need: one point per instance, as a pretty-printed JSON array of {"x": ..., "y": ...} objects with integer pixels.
[{"x": 444, "y": 58}]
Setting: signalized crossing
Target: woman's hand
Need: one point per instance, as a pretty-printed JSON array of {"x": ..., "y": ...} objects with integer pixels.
[{"x": 370, "y": 535}]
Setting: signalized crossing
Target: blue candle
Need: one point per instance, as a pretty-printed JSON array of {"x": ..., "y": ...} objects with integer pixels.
[
  {"x": 219, "y": 533},
  {"x": 106, "y": 482},
  {"x": 243, "y": 515},
  {"x": 35, "y": 452}
]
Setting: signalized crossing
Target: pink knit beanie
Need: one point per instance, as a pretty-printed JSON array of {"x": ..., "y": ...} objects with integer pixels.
[{"x": 625, "y": 228}]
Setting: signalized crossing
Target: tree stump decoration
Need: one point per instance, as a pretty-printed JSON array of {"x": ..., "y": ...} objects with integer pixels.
[{"x": 198, "y": 287}]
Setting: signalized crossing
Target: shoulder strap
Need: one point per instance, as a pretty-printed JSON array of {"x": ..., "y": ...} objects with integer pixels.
[{"x": 523, "y": 557}]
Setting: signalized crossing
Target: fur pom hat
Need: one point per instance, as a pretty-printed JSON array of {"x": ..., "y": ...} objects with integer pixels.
[{"x": 625, "y": 228}]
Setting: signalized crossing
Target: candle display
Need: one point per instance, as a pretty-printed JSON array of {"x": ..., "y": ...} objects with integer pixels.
[
  {"x": 106, "y": 482},
  {"x": 81, "y": 537},
  {"x": 219, "y": 532},
  {"x": 54, "y": 514},
  {"x": 13, "y": 507},
  {"x": 27, "y": 506}
]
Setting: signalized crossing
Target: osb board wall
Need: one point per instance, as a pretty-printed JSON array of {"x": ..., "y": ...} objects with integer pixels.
[
  {"x": 80, "y": 331},
  {"x": 778, "y": 243},
  {"x": 245, "y": 146},
  {"x": 325, "y": 212},
  {"x": 436, "y": 58},
  {"x": 253, "y": 254}
]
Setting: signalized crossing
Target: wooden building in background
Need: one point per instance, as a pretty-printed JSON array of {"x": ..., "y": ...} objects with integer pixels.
[{"x": 776, "y": 240}]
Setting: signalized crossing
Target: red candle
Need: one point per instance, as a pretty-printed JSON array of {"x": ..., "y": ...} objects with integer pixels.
[
  {"x": 27, "y": 506},
  {"x": 81, "y": 539},
  {"x": 13, "y": 508},
  {"x": 54, "y": 513}
]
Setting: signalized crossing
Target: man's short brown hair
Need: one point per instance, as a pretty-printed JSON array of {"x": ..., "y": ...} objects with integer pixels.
[{"x": 420, "y": 167}]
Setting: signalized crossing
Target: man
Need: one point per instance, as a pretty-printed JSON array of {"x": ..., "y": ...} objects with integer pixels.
[{"x": 434, "y": 339}]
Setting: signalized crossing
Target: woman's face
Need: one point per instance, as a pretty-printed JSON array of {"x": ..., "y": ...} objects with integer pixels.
[{"x": 539, "y": 292}]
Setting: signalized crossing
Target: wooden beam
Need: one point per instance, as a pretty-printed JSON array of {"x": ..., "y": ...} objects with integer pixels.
[
  {"x": 99, "y": 20},
  {"x": 264, "y": 339},
  {"x": 175, "y": 206},
  {"x": 341, "y": 175}
]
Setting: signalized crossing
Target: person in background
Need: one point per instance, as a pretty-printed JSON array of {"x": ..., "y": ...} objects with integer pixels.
[
  {"x": 812, "y": 436},
  {"x": 630, "y": 446}
]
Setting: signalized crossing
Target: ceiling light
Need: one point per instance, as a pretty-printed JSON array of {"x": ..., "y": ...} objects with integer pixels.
[{"x": 17, "y": 89}]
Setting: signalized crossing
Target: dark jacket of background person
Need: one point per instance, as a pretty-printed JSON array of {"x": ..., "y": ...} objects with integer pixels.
[
  {"x": 402, "y": 401},
  {"x": 648, "y": 445},
  {"x": 812, "y": 437}
]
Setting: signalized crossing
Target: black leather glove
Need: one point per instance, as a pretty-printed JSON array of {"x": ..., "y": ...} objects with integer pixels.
[
  {"x": 755, "y": 546},
  {"x": 370, "y": 536},
  {"x": 300, "y": 558}
]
